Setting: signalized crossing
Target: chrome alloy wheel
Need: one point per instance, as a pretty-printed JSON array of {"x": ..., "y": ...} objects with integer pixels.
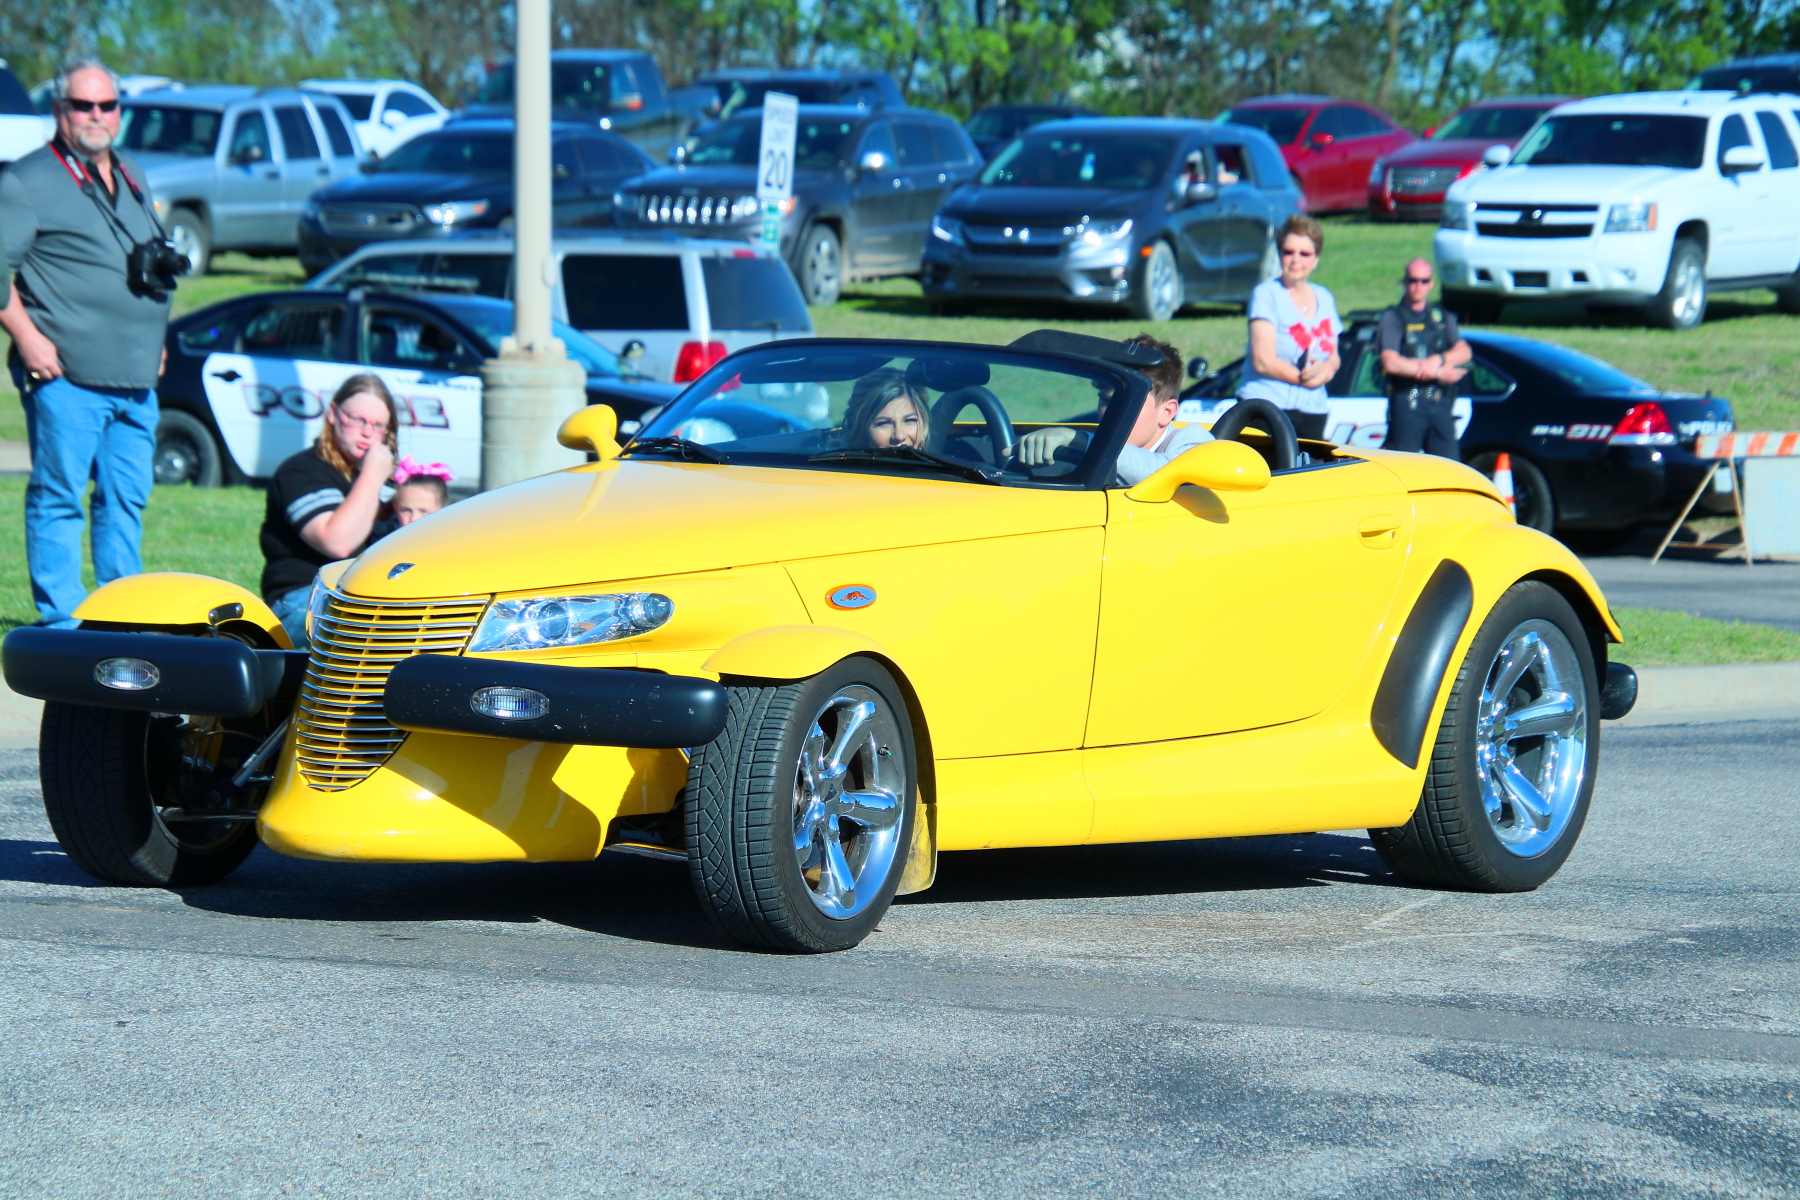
[
  {"x": 822, "y": 269},
  {"x": 187, "y": 244},
  {"x": 1531, "y": 738},
  {"x": 1163, "y": 280},
  {"x": 1689, "y": 293},
  {"x": 848, "y": 802}
]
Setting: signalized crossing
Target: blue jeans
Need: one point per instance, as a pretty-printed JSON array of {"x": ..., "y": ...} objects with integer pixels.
[
  {"x": 78, "y": 434},
  {"x": 290, "y": 610}
]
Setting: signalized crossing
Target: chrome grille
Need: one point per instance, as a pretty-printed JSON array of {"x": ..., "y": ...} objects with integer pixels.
[
  {"x": 696, "y": 210},
  {"x": 341, "y": 731},
  {"x": 1421, "y": 181},
  {"x": 369, "y": 218}
]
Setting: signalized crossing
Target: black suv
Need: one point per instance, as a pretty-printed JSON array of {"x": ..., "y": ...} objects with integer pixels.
[
  {"x": 461, "y": 177},
  {"x": 737, "y": 90},
  {"x": 1762, "y": 73},
  {"x": 865, "y": 187},
  {"x": 1142, "y": 213}
]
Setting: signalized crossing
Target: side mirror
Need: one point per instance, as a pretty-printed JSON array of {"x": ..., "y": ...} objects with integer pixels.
[
  {"x": 1321, "y": 140},
  {"x": 369, "y": 165},
  {"x": 594, "y": 429},
  {"x": 1216, "y": 466},
  {"x": 678, "y": 154},
  {"x": 249, "y": 154},
  {"x": 1497, "y": 155},
  {"x": 1199, "y": 193},
  {"x": 1197, "y": 368},
  {"x": 873, "y": 161},
  {"x": 1429, "y": 130},
  {"x": 632, "y": 349},
  {"x": 393, "y": 118},
  {"x": 1739, "y": 159}
]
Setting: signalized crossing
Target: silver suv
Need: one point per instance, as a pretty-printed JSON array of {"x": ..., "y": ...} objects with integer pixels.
[{"x": 229, "y": 168}]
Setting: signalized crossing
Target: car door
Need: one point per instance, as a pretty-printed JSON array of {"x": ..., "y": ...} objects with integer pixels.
[
  {"x": 1195, "y": 225},
  {"x": 925, "y": 186},
  {"x": 571, "y": 201},
  {"x": 1323, "y": 156},
  {"x": 248, "y": 209},
  {"x": 1244, "y": 220},
  {"x": 879, "y": 201},
  {"x": 304, "y": 169},
  {"x": 268, "y": 394},
  {"x": 1229, "y": 611},
  {"x": 1784, "y": 183},
  {"x": 1743, "y": 232},
  {"x": 431, "y": 370},
  {"x": 345, "y": 161},
  {"x": 604, "y": 165}
]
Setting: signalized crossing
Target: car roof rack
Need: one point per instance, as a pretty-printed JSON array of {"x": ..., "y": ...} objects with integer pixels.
[{"x": 1126, "y": 354}]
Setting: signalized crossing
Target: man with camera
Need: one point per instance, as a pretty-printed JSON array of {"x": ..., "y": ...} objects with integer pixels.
[{"x": 89, "y": 277}]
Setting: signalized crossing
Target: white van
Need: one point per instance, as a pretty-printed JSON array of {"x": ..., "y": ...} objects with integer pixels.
[
  {"x": 669, "y": 306},
  {"x": 1655, "y": 200}
]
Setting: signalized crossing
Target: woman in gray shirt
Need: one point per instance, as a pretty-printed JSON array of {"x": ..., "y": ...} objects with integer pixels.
[{"x": 1294, "y": 331}]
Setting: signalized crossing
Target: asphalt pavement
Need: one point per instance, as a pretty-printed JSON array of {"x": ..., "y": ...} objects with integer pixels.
[
  {"x": 1255, "y": 1017},
  {"x": 1767, "y": 593}
]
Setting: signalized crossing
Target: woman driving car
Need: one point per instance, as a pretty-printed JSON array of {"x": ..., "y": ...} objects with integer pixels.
[{"x": 885, "y": 411}]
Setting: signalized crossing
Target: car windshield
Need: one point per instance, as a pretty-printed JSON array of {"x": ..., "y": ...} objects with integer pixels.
[
  {"x": 1118, "y": 162},
  {"x": 360, "y": 104},
  {"x": 15, "y": 101},
  {"x": 493, "y": 321},
  {"x": 165, "y": 129},
  {"x": 1622, "y": 140},
  {"x": 741, "y": 95},
  {"x": 888, "y": 407},
  {"x": 1584, "y": 372},
  {"x": 572, "y": 85},
  {"x": 1281, "y": 124},
  {"x": 1005, "y": 122},
  {"x": 1746, "y": 79},
  {"x": 818, "y": 145},
  {"x": 452, "y": 152},
  {"x": 1507, "y": 124}
]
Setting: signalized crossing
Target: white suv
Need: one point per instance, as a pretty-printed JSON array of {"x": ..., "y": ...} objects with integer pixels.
[{"x": 1655, "y": 200}]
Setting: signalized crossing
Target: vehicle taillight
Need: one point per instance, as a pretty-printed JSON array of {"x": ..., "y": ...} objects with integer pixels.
[
  {"x": 695, "y": 358},
  {"x": 1644, "y": 424}
]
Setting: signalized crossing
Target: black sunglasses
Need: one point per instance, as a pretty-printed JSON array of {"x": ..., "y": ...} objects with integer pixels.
[
  {"x": 82, "y": 106},
  {"x": 1423, "y": 282}
]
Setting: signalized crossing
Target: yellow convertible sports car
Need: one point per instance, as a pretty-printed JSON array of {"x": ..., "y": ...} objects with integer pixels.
[{"x": 822, "y": 619}]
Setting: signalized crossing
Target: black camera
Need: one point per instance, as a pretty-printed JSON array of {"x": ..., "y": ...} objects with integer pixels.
[{"x": 154, "y": 266}]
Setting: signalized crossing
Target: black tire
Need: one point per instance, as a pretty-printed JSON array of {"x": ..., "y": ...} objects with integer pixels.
[
  {"x": 819, "y": 266},
  {"x": 1451, "y": 841},
  {"x": 744, "y": 805},
  {"x": 187, "y": 229},
  {"x": 1473, "y": 308},
  {"x": 104, "y": 772},
  {"x": 1534, "y": 504},
  {"x": 1682, "y": 302},
  {"x": 1787, "y": 299},
  {"x": 186, "y": 451},
  {"x": 1159, "y": 292}
]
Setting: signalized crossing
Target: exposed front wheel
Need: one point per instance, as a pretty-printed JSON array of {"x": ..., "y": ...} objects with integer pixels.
[
  {"x": 1513, "y": 767},
  {"x": 1682, "y": 302},
  {"x": 188, "y": 234},
  {"x": 821, "y": 270},
  {"x": 800, "y": 814},
  {"x": 1159, "y": 292}
]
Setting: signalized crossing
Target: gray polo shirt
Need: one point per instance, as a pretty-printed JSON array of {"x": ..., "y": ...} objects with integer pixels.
[{"x": 68, "y": 261}]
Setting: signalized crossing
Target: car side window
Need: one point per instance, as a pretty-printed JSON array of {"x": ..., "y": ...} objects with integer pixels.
[
  {"x": 598, "y": 154},
  {"x": 916, "y": 147},
  {"x": 293, "y": 331},
  {"x": 1732, "y": 134},
  {"x": 297, "y": 138},
  {"x": 622, "y": 87},
  {"x": 1485, "y": 381},
  {"x": 1330, "y": 120},
  {"x": 1363, "y": 123},
  {"x": 1368, "y": 378},
  {"x": 1231, "y": 164},
  {"x": 625, "y": 292},
  {"x": 217, "y": 334},
  {"x": 407, "y": 105},
  {"x": 953, "y": 145},
  {"x": 341, "y": 145},
  {"x": 563, "y": 164},
  {"x": 403, "y": 339},
  {"x": 1781, "y": 147},
  {"x": 250, "y": 138},
  {"x": 878, "y": 139}
]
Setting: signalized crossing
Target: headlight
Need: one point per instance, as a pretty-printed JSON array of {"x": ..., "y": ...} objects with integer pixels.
[
  {"x": 1375, "y": 173},
  {"x": 947, "y": 228},
  {"x": 745, "y": 207},
  {"x": 452, "y": 211},
  {"x": 308, "y": 211},
  {"x": 547, "y": 621},
  {"x": 1456, "y": 214},
  {"x": 1106, "y": 233},
  {"x": 618, "y": 199},
  {"x": 1637, "y": 217}
]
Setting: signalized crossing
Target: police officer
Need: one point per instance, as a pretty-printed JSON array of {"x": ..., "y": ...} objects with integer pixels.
[{"x": 1423, "y": 354}]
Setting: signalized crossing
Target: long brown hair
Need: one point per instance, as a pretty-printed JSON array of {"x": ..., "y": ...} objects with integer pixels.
[
  {"x": 874, "y": 392},
  {"x": 328, "y": 449}
]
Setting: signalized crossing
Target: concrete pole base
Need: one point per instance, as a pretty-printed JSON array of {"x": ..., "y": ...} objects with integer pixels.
[{"x": 526, "y": 394}]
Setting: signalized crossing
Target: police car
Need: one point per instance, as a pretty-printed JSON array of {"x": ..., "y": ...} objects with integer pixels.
[
  {"x": 248, "y": 380},
  {"x": 1595, "y": 451}
]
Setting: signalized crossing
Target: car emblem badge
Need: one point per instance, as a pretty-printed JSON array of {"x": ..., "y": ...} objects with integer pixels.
[
  {"x": 853, "y": 595},
  {"x": 399, "y": 569}
]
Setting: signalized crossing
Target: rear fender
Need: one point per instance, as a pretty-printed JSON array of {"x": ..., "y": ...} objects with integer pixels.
[{"x": 167, "y": 599}]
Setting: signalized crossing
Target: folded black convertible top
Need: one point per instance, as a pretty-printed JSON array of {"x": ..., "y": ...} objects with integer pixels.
[{"x": 1126, "y": 354}]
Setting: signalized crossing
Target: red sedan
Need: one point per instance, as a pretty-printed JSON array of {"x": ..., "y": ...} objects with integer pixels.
[
  {"x": 1330, "y": 145},
  {"x": 1409, "y": 184}
]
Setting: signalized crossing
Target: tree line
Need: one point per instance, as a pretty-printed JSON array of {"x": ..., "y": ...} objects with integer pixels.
[{"x": 1417, "y": 58}]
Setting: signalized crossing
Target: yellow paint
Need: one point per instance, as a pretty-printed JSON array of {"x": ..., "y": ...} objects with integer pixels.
[
  {"x": 1216, "y": 466},
  {"x": 790, "y": 651},
  {"x": 175, "y": 598},
  {"x": 1018, "y": 800},
  {"x": 594, "y": 428}
]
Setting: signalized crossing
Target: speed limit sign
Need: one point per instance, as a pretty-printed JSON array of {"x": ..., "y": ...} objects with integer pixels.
[{"x": 775, "y": 164}]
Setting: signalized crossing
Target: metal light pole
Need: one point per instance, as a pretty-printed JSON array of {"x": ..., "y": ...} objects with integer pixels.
[{"x": 532, "y": 385}]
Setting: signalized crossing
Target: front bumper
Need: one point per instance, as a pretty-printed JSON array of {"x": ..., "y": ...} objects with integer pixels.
[
  {"x": 200, "y": 676},
  {"x": 1385, "y": 205},
  {"x": 1102, "y": 275},
  {"x": 1619, "y": 268}
]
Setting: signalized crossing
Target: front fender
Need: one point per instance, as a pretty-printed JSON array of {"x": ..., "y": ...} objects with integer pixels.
[
  {"x": 790, "y": 651},
  {"x": 161, "y": 598},
  {"x": 1498, "y": 556}
]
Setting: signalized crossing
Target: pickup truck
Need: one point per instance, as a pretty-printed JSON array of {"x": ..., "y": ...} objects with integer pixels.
[
  {"x": 21, "y": 129},
  {"x": 619, "y": 90}
]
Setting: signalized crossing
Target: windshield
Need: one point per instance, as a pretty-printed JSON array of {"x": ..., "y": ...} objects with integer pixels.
[
  {"x": 1281, "y": 124},
  {"x": 1605, "y": 139},
  {"x": 890, "y": 407},
  {"x": 572, "y": 85},
  {"x": 360, "y": 104},
  {"x": 1584, "y": 372},
  {"x": 448, "y": 152},
  {"x": 495, "y": 321},
  {"x": 1119, "y": 162},
  {"x": 818, "y": 145},
  {"x": 156, "y": 129},
  {"x": 1501, "y": 124},
  {"x": 1005, "y": 122},
  {"x": 1747, "y": 79},
  {"x": 750, "y": 95},
  {"x": 15, "y": 101}
]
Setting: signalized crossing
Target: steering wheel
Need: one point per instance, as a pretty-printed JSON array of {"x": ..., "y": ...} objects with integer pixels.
[
  {"x": 1255, "y": 410},
  {"x": 999, "y": 426}
]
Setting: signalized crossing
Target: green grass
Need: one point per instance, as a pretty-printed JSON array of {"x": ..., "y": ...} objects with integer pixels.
[
  {"x": 1656, "y": 637},
  {"x": 210, "y": 531}
]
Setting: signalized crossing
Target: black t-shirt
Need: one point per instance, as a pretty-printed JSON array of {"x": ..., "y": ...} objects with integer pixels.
[
  {"x": 303, "y": 487},
  {"x": 1416, "y": 333}
]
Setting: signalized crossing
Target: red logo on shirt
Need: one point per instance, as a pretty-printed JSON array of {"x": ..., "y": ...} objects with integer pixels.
[{"x": 1320, "y": 333}]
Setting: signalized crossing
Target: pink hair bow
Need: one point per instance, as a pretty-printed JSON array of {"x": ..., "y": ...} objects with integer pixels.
[{"x": 407, "y": 469}]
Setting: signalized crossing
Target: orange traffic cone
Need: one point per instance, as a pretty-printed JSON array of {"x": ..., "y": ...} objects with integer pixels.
[{"x": 1503, "y": 482}]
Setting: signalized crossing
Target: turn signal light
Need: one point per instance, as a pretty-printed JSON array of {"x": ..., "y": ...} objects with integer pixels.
[
  {"x": 127, "y": 674},
  {"x": 1644, "y": 424},
  {"x": 510, "y": 703},
  {"x": 695, "y": 359}
]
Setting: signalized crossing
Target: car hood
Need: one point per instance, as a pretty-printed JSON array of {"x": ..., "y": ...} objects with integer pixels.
[
  {"x": 1051, "y": 206},
  {"x": 1453, "y": 152},
  {"x": 627, "y": 519},
  {"x": 418, "y": 187},
  {"x": 703, "y": 181},
  {"x": 1537, "y": 185},
  {"x": 158, "y": 167}
]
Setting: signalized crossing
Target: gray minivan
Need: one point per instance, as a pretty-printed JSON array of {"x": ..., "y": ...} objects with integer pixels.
[{"x": 230, "y": 167}]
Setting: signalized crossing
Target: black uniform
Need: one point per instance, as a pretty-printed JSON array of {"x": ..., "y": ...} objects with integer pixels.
[{"x": 1421, "y": 416}]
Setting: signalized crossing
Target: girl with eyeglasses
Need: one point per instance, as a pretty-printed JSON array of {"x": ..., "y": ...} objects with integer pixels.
[
  {"x": 1294, "y": 331},
  {"x": 323, "y": 501}
]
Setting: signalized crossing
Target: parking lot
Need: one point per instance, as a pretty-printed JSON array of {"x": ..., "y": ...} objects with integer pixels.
[{"x": 1259, "y": 1017}]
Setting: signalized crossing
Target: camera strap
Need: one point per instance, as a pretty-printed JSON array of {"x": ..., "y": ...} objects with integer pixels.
[{"x": 79, "y": 173}]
